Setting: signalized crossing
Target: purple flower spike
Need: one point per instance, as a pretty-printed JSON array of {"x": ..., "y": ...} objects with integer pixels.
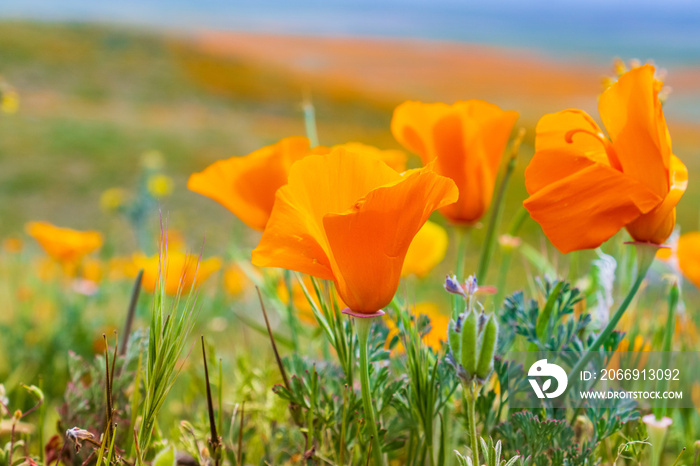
[{"x": 452, "y": 286}]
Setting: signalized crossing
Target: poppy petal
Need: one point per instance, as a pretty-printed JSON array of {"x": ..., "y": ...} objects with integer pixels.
[
  {"x": 632, "y": 114},
  {"x": 247, "y": 185},
  {"x": 584, "y": 209},
  {"x": 382, "y": 226},
  {"x": 657, "y": 225},
  {"x": 318, "y": 184}
]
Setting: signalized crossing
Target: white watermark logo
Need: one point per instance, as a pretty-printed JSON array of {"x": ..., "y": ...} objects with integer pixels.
[{"x": 542, "y": 368}]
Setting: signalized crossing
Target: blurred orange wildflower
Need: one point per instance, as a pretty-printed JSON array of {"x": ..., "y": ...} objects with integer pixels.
[
  {"x": 350, "y": 218},
  {"x": 247, "y": 185},
  {"x": 64, "y": 245},
  {"x": 427, "y": 250},
  {"x": 12, "y": 244},
  {"x": 688, "y": 255},
  {"x": 467, "y": 139},
  {"x": 585, "y": 187},
  {"x": 182, "y": 271}
]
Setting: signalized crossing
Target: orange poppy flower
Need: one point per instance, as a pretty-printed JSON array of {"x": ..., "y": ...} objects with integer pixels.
[
  {"x": 396, "y": 159},
  {"x": 64, "y": 245},
  {"x": 350, "y": 218},
  {"x": 247, "y": 185},
  {"x": 585, "y": 187},
  {"x": 467, "y": 139},
  {"x": 182, "y": 271}
]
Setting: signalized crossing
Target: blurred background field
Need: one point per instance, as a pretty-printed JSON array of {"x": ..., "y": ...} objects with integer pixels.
[{"x": 100, "y": 85}]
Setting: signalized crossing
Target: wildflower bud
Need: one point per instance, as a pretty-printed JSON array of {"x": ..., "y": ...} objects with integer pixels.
[
  {"x": 657, "y": 429},
  {"x": 454, "y": 340},
  {"x": 488, "y": 349},
  {"x": 452, "y": 286},
  {"x": 18, "y": 415},
  {"x": 469, "y": 341},
  {"x": 470, "y": 285}
]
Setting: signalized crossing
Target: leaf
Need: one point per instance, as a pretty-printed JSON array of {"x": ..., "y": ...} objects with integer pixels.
[{"x": 165, "y": 457}]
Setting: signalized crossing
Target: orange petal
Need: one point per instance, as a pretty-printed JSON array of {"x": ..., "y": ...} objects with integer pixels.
[
  {"x": 247, "y": 185},
  {"x": 467, "y": 139},
  {"x": 574, "y": 133},
  {"x": 632, "y": 114},
  {"x": 689, "y": 256},
  {"x": 318, "y": 185},
  {"x": 369, "y": 241},
  {"x": 396, "y": 159},
  {"x": 657, "y": 225},
  {"x": 586, "y": 208}
]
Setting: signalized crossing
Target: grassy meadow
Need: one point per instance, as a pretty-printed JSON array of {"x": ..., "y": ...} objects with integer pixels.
[{"x": 111, "y": 124}]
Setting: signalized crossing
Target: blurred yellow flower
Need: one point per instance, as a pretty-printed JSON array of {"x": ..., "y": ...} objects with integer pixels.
[
  {"x": 437, "y": 334},
  {"x": 64, "y": 244},
  {"x": 160, "y": 185},
  {"x": 182, "y": 271},
  {"x": 9, "y": 101},
  {"x": 234, "y": 280},
  {"x": 427, "y": 250},
  {"x": 112, "y": 199}
]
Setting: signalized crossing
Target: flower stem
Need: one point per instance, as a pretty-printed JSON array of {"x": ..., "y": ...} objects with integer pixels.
[
  {"x": 497, "y": 210},
  {"x": 471, "y": 414},
  {"x": 462, "y": 239},
  {"x": 645, "y": 257},
  {"x": 363, "y": 326}
]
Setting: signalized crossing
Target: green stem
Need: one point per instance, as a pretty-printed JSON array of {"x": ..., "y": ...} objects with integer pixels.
[
  {"x": 496, "y": 212},
  {"x": 363, "y": 326},
  {"x": 471, "y": 413},
  {"x": 645, "y": 257},
  {"x": 506, "y": 255},
  {"x": 291, "y": 316},
  {"x": 462, "y": 233},
  {"x": 661, "y": 409}
]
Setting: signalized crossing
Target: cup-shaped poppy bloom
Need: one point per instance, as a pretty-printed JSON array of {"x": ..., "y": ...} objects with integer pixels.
[
  {"x": 247, "y": 185},
  {"x": 584, "y": 187},
  {"x": 350, "y": 218},
  {"x": 467, "y": 140},
  {"x": 427, "y": 250},
  {"x": 64, "y": 245},
  {"x": 183, "y": 272}
]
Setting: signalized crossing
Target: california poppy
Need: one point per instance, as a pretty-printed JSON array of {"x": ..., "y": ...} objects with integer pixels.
[
  {"x": 585, "y": 187},
  {"x": 64, "y": 245},
  {"x": 396, "y": 159},
  {"x": 467, "y": 140},
  {"x": 182, "y": 271},
  {"x": 247, "y": 185},
  {"x": 350, "y": 218}
]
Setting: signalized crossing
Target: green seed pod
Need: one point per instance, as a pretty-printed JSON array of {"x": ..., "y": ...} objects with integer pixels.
[
  {"x": 453, "y": 338},
  {"x": 469, "y": 339},
  {"x": 488, "y": 348}
]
